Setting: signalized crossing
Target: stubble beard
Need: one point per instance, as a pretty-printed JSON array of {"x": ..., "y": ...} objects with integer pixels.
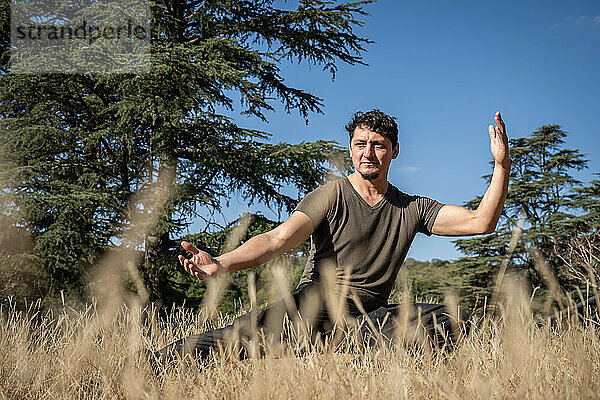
[{"x": 369, "y": 177}]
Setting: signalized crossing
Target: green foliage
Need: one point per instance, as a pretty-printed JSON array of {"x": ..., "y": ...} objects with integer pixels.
[
  {"x": 78, "y": 152},
  {"x": 426, "y": 281},
  {"x": 588, "y": 198},
  {"x": 543, "y": 190}
]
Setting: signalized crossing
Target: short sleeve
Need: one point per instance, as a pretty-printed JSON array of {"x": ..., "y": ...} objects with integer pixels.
[
  {"x": 317, "y": 203},
  {"x": 428, "y": 211}
]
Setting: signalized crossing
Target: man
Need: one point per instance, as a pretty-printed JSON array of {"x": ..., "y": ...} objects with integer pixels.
[{"x": 361, "y": 228}]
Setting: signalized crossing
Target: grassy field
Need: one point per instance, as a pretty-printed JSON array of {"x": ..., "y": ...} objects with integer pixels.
[{"x": 94, "y": 354}]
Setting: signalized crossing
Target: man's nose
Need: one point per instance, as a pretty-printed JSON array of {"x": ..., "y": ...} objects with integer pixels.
[{"x": 368, "y": 151}]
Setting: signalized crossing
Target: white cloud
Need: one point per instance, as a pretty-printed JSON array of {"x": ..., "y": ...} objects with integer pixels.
[
  {"x": 582, "y": 21},
  {"x": 409, "y": 168}
]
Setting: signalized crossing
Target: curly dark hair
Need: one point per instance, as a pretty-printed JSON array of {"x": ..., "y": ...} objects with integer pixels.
[{"x": 376, "y": 121}]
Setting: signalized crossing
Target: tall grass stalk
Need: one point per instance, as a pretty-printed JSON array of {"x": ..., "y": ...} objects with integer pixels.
[{"x": 77, "y": 354}]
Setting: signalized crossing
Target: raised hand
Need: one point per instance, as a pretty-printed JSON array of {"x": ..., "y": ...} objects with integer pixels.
[
  {"x": 499, "y": 141},
  {"x": 201, "y": 265}
]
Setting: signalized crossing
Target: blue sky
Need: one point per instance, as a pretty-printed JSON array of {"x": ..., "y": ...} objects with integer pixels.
[{"x": 443, "y": 69}]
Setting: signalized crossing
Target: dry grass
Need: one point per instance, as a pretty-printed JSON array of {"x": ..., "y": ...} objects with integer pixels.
[{"x": 79, "y": 354}]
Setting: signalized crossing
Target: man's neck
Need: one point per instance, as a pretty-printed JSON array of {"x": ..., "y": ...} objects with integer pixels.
[{"x": 370, "y": 190}]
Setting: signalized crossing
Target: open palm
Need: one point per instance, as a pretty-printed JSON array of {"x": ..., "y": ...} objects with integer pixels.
[
  {"x": 499, "y": 141},
  {"x": 201, "y": 265}
]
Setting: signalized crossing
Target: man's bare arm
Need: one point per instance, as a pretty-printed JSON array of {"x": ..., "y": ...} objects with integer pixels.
[
  {"x": 258, "y": 250},
  {"x": 458, "y": 221}
]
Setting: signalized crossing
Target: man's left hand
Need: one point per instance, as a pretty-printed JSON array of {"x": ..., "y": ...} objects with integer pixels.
[{"x": 499, "y": 141}]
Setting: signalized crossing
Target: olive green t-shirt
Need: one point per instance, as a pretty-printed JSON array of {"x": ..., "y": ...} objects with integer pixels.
[{"x": 368, "y": 242}]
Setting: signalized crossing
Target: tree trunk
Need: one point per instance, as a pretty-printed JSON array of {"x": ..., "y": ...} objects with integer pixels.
[{"x": 157, "y": 241}]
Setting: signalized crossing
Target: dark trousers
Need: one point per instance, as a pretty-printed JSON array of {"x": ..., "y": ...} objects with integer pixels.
[{"x": 306, "y": 309}]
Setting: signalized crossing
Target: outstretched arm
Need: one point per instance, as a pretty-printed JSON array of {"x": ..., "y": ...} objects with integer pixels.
[
  {"x": 259, "y": 249},
  {"x": 458, "y": 221}
]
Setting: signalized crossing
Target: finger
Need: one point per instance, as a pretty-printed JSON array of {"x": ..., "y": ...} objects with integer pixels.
[
  {"x": 181, "y": 259},
  {"x": 500, "y": 122},
  {"x": 492, "y": 132},
  {"x": 197, "y": 272},
  {"x": 183, "y": 264},
  {"x": 201, "y": 275},
  {"x": 187, "y": 265},
  {"x": 189, "y": 247}
]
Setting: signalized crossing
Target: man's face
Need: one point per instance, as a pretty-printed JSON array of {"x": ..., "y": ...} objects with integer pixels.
[{"x": 371, "y": 153}]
